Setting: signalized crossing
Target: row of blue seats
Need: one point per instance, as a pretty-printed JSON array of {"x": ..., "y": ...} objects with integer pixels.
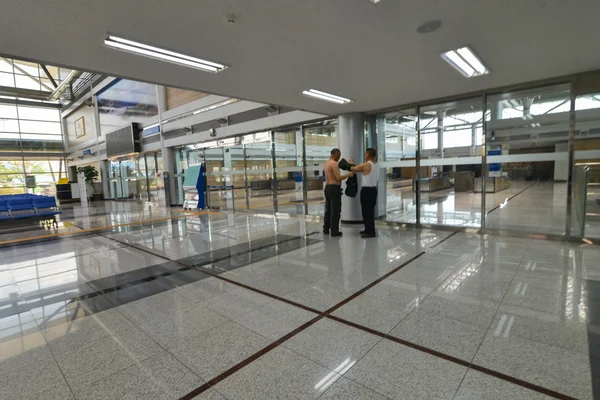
[{"x": 27, "y": 206}]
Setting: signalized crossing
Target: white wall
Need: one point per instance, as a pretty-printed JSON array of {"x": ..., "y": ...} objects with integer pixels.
[{"x": 90, "y": 126}]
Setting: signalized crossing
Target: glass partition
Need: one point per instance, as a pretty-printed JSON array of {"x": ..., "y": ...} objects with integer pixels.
[
  {"x": 288, "y": 171},
  {"x": 450, "y": 137},
  {"x": 396, "y": 137},
  {"x": 585, "y": 213},
  {"x": 527, "y": 140},
  {"x": 319, "y": 139},
  {"x": 259, "y": 171}
]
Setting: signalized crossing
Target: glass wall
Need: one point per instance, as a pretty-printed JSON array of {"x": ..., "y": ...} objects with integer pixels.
[
  {"x": 30, "y": 129},
  {"x": 585, "y": 206},
  {"x": 319, "y": 140},
  {"x": 499, "y": 162},
  {"x": 527, "y": 138},
  {"x": 47, "y": 172}
]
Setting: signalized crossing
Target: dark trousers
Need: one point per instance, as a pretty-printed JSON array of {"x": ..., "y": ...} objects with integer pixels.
[
  {"x": 333, "y": 208},
  {"x": 368, "y": 201}
]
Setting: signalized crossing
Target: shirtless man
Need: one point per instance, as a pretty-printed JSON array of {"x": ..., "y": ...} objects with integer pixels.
[{"x": 333, "y": 194}]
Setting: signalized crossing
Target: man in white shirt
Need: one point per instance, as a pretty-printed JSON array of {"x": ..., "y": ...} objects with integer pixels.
[{"x": 368, "y": 191}]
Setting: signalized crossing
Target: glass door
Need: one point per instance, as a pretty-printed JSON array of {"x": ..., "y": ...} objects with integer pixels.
[
  {"x": 527, "y": 141},
  {"x": 259, "y": 171},
  {"x": 451, "y": 136},
  {"x": 115, "y": 184},
  {"x": 397, "y": 146},
  {"x": 141, "y": 182}
]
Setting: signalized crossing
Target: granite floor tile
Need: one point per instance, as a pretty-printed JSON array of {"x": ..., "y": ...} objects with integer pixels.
[
  {"x": 446, "y": 335},
  {"x": 319, "y": 296},
  {"x": 280, "y": 374},
  {"x": 477, "y": 386},
  {"x": 219, "y": 349},
  {"x": 344, "y": 389},
  {"x": 205, "y": 289},
  {"x": 209, "y": 395},
  {"x": 149, "y": 308},
  {"x": 470, "y": 310},
  {"x": 40, "y": 380},
  {"x": 373, "y": 313},
  {"x": 399, "y": 372},
  {"x": 156, "y": 378},
  {"x": 275, "y": 319},
  {"x": 21, "y": 351},
  {"x": 104, "y": 357},
  {"x": 72, "y": 335},
  {"x": 548, "y": 366},
  {"x": 236, "y": 303},
  {"x": 331, "y": 343},
  {"x": 187, "y": 322}
]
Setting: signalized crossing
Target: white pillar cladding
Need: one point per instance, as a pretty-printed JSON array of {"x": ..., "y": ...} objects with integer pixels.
[
  {"x": 167, "y": 153},
  {"x": 379, "y": 137},
  {"x": 351, "y": 128}
]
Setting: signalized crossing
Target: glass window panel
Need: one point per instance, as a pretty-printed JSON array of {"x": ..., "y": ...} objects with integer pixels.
[
  {"x": 52, "y": 128},
  {"x": 27, "y": 82},
  {"x": 7, "y": 79},
  {"x": 42, "y": 146},
  {"x": 8, "y": 135},
  {"x": 28, "y": 67},
  {"x": 9, "y": 125},
  {"x": 39, "y": 113},
  {"x": 6, "y": 66},
  {"x": 8, "y": 111},
  {"x": 48, "y": 85}
]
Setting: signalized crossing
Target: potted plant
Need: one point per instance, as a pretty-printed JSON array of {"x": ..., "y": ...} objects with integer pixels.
[{"x": 91, "y": 176}]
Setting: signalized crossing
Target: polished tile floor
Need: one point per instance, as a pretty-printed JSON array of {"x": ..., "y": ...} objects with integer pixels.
[{"x": 250, "y": 306}]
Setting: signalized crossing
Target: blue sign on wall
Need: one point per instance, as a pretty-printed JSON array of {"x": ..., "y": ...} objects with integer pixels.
[{"x": 87, "y": 152}]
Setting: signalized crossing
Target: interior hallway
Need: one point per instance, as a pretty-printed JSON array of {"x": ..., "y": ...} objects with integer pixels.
[{"x": 224, "y": 306}]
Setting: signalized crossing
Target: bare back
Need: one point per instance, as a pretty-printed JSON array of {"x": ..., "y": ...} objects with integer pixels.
[{"x": 331, "y": 167}]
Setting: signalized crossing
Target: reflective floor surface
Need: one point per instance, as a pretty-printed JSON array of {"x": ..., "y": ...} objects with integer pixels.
[{"x": 249, "y": 306}]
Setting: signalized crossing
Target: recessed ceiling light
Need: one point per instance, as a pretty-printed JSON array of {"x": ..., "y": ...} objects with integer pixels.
[
  {"x": 162, "y": 54},
  {"x": 430, "y": 26},
  {"x": 466, "y": 62},
  {"x": 374, "y": 1},
  {"x": 326, "y": 96}
]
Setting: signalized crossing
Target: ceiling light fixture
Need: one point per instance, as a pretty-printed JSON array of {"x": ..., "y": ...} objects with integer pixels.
[
  {"x": 326, "y": 96},
  {"x": 162, "y": 54},
  {"x": 466, "y": 62}
]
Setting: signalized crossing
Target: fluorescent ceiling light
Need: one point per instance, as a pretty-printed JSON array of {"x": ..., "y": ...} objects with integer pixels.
[
  {"x": 326, "y": 96},
  {"x": 466, "y": 62},
  {"x": 162, "y": 54}
]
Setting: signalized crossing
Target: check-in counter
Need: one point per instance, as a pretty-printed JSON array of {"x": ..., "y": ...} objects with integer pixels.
[
  {"x": 492, "y": 185},
  {"x": 464, "y": 181},
  {"x": 433, "y": 184}
]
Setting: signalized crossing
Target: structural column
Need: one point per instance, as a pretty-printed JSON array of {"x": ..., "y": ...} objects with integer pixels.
[
  {"x": 351, "y": 128},
  {"x": 167, "y": 153}
]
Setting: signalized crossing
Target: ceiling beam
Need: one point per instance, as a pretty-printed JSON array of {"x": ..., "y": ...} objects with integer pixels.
[{"x": 49, "y": 75}]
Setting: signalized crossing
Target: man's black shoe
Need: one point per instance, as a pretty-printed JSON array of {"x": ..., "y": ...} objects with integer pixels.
[
  {"x": 368, "y": 235},
  {"x": 362, "y": 232},
  {"x": 337, "y": 234},
  {"x": 326, "y": 231}
]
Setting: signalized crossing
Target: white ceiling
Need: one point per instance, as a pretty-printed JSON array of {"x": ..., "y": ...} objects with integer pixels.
[{"x": 353, "y": 48}]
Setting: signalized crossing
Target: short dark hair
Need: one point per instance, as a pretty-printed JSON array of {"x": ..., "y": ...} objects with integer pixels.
[
  {"x": 335, "y": 151},
  {"x": 372, "y": 152}
]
